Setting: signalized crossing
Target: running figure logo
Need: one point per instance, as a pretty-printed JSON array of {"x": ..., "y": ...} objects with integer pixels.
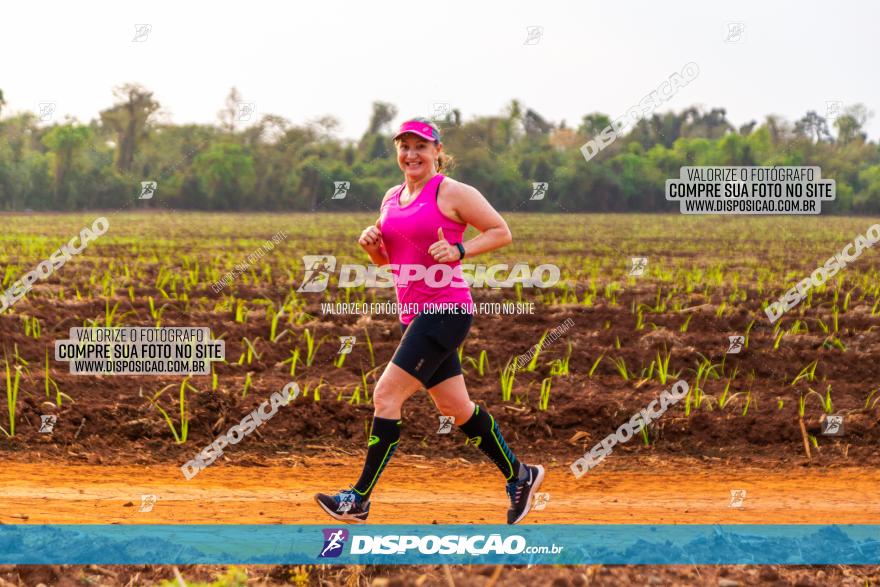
[
  {"x": 540, "y": 502},
  {"x": 347, "y": 342},
  {"x": 245, "y": 111},
  {"x": 832, "y": 426},
  {"x": 142, "y": 33},
  {"x": 147, "y": 503},
  {"x": 441, "y": 111},
  {"x": 346, "y": 502},
  {"x": 637, "y": 266},
  {"x": 47, "y": 423},
  {"x": 46, "y": 110},
  {"x": 735, "y": 32},
  {"x": 318, "y": 268},
  {"x": 334, "y": 542},
  {"x": 446, "y": 423},
  {"x": 736, "y": 344},
  {"x": 533, "y": 35},
  {"x": 342, "y": 188},
  {"x": 539, "y": 190},
  {"x": 148, "y": 188},
  {"x": 833, "y": 109},
  {"x": 737, "y": 497}
]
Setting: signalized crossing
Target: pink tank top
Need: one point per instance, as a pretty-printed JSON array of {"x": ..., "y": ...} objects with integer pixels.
[{"x": 407, "y": 233}]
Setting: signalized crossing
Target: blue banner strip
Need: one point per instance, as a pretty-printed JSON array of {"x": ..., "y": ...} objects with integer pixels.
[{"x": 439, "y": 544}]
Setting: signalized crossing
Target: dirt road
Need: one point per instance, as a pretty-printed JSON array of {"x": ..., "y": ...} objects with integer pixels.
[{"x": 415, "y": 490}]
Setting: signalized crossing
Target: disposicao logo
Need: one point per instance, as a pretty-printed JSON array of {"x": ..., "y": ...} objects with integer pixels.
[{"x": 334, "y": 542}]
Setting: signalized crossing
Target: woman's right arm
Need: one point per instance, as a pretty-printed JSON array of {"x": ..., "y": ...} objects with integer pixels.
[
  {"x": 371, "y": 242},
  {"x": 371, "y": 239}
]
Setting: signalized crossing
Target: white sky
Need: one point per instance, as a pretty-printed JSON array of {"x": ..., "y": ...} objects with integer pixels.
[{"x": 302, "y": 60}]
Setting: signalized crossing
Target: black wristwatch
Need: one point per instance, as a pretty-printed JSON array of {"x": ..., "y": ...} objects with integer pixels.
[{"x": 460, "y": 248}]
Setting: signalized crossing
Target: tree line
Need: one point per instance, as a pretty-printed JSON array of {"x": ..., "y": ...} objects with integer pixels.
[{"x": 267, "y": 163}]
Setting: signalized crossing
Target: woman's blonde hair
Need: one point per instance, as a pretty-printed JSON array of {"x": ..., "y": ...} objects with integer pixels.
[{"x": 444, "y": 161}]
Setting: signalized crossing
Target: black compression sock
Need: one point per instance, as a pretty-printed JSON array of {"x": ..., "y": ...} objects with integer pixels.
[
  {"x": 384, "y": 435},
  {"x": 483, "y": 432}
]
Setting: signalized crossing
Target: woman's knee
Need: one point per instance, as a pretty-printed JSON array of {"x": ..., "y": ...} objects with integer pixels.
[
  {"x": 385, "y": 398},
  {"x": 461, "y": 410}
]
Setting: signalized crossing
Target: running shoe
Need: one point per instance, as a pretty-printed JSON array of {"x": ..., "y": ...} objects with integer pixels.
[
  {"x": 521, "y": 493},
  {"x": 345, "y": 506}
]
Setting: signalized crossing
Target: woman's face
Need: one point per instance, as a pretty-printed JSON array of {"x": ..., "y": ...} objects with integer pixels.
[{"x": 416, "y": 156}]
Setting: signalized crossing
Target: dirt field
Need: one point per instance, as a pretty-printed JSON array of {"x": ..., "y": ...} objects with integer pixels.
[
  {"x": 706, "y": 280},
  {"x": 418, "y": 491},
  {"x": 431, "y": 576},
  {"x": 637, "y": 491}
]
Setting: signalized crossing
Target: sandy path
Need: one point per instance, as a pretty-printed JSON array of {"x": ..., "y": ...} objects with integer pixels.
[{"x": 449, "y": 492}]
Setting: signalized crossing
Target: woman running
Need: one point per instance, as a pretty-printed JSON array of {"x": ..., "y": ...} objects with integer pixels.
[{"x": 421, "y": 224}]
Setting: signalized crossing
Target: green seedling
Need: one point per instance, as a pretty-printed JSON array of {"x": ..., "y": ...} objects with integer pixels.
[
  {"x": 808, "y": 373},
  {"x": 49, "y": 381},
  {"x": 595, "y": 364},
  {"x": 370, "y": 348},
  {"x": 533, "y": 363},
  {"x": 247, "y": 383},
  {"x": 240, "y": 312},
  {"x": 545, "y": 393},
  {"x": 250, "y": 351},
  {"x": 180, "y": 437},
  {"x": 481, "y": 364},
  {"x": 560, "y": 367},
  {"x": 366, "y": 387},
  {"x": 620, "y": 364},
  {"x": 644, "y": 430},
  {"x": 662, "y": 362},
  {"x": 748, "y": 331},
  {"x": 748, "y": 402},
  {"x": 827, "y": 404},
  {"x": 311, "y": 346},
  {"x": 12, "y": 384},
  {"x": 31, "y": 326},
  {"x": 832, "y": 342},
  {"x": 684, "y": 327},
  {"x": 508, "y": 375},
  {"x": 725, "y": 397},
  {"x": 868, "y": 403},
  {"x": 293, "y": 360}
]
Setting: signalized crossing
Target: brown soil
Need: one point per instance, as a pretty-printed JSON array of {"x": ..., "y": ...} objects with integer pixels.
[
  {"x": 111, "y": 445},
  {"x": 649, "y": 490},
  {"x": 111, "y": 420},
  {"x": 457, "y": 576},
  {"x": 419, "y": 491}
]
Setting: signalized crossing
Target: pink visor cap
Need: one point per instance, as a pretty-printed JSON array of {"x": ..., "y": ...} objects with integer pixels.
[{"x": 426, "y": 131}]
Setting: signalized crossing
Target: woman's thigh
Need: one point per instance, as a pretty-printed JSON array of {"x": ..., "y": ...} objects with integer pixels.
[{"x": 428, "y": 349}]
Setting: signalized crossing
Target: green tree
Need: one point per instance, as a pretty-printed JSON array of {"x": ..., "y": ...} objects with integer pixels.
[
  {"x": 849, "y": 124},
  {"x": 66, "y": 142},
  {"x": 129, "y": 119},
  {"x": 226, "y": 174}
]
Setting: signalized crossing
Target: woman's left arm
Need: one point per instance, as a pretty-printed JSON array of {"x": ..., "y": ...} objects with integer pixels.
[
  {"x": 469, "y": 205},
  {"x": 473, "y": 208}
]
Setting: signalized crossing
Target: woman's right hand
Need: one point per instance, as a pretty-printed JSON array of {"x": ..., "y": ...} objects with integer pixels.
[{"x": 371, "y": 239}]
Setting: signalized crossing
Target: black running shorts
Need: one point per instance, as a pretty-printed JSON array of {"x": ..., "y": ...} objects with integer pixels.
[{"x": 429, "y": 348}]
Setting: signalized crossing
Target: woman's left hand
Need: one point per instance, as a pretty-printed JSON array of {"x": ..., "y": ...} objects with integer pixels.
[{"x": 442, "y": 251}]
